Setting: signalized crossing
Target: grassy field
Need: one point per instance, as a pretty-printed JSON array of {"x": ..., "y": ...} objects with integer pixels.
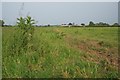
[
  {"x": 58, "y": 52},
  {"x": 0, "y": 52}
]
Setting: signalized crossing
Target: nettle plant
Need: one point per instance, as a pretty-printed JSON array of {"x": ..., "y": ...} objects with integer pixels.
[{"x": 23, "y": 35}]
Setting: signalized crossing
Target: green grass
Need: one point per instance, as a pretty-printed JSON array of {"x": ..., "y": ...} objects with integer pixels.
[
  {"x": 0, "y": 52},
  {"x": 62, "y": 52}
]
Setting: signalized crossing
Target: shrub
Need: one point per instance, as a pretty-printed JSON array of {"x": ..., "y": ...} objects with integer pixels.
[{"x": 23, "y": 35}]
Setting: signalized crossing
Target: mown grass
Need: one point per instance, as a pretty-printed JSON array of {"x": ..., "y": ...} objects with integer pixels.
[{"x": 58, "y": 52}]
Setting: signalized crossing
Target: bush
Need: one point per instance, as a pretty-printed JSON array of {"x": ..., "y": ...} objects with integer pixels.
[{"x": 23, "y": 35}]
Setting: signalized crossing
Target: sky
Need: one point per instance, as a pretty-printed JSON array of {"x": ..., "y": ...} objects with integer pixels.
[
  {"x": 60, "y": 0},
  {"x": 0, "y": 10},
  {"x": 61, "y": 12},
  {"x": 119, "y": 12}
]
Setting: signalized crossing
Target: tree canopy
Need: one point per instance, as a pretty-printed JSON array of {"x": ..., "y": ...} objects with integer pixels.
[
  {"x": 2, "y": 23},
  {"x": 91, "y": 23}
]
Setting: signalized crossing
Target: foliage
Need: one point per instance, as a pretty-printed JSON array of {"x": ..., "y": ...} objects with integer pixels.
[
  {"x": 115, "y": 25},
  {"x": 70, "y": 24},
  {"x": 102, "y": 24},
  {"x": 23, "y": 35},
  {"x": 91, "y": 23},
  {"x": 62, "y": 53},
  {"x": 82, "y": 24},
  {"x": 25, "y": 24},
  {"x": 2, "y": 23}
]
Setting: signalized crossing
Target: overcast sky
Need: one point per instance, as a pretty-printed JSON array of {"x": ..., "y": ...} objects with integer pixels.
[
  {"x": 60, "y": 0},
  {"x": 119, "y": 12},
  {"x": 61, "y": 12},
  {"x": 0, "y": 10}
]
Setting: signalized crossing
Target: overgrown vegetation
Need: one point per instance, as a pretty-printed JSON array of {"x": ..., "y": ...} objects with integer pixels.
[
  {"x": 59, "y": 52},
  {"x": 1, "y": 23},
  {"x": 23, "y": 35}
]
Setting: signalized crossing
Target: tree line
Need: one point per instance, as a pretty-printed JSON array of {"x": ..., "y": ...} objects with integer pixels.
[
  {"x": 91, "y": 24},
  {"x": 100, "y": 24}
]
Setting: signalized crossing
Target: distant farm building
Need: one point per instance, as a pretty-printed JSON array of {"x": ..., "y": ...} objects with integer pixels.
[{"x": 64, "y": 25}]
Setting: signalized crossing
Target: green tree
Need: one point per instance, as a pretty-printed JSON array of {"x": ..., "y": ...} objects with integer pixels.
[
  {"x": 26, "y": 24},
  {"x": 70, "y": 24},
  {"x": 21, "y": 23},
  {"x": 91, "y": 23},
  {"x": 116, "y": 24},
  {"x": 83, "y": 24},
  {"x": 102, "y": 24},
  {"x": 24, "y": 33},
  {"x": 2, "y": 23}
]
